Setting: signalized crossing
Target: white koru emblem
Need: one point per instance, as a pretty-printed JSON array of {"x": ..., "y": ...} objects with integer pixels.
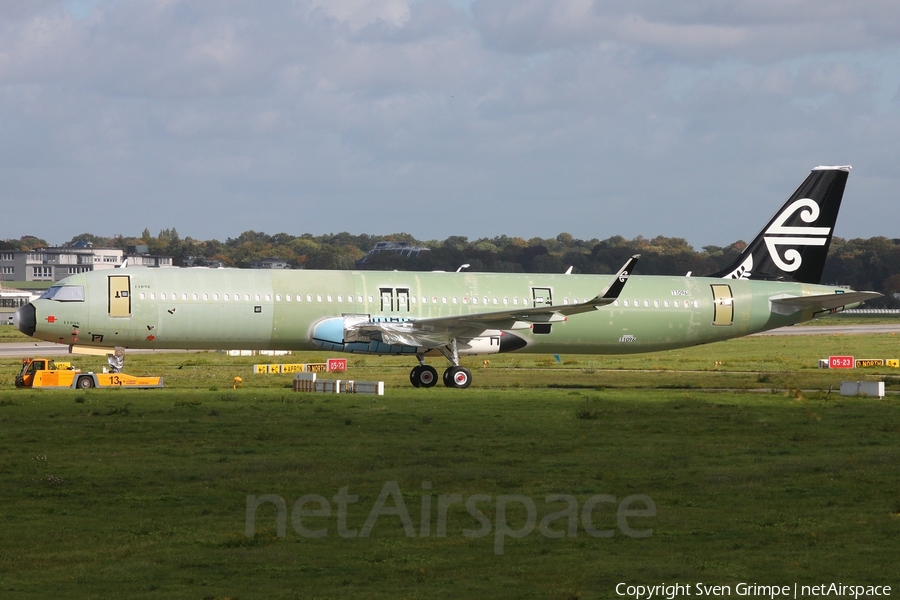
[
  {"x": 744, "y": 271},
  {"x": 795, "y": 236}
]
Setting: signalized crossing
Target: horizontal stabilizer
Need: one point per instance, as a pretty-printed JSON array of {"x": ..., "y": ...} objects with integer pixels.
[{"x": 792, "y": 304}]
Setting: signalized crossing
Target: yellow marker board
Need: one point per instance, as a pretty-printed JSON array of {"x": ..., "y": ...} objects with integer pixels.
[{"x": 862, "y": 363}]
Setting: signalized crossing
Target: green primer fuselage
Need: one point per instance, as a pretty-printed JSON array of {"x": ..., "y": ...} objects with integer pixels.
[{"x": 278, "y": 310}]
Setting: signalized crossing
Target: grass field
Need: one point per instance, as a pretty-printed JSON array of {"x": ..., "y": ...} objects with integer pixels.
[{"x": 757, "y": 474}]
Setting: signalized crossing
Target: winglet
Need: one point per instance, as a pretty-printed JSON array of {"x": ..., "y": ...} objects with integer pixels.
[{"x": 613, "y": 290}]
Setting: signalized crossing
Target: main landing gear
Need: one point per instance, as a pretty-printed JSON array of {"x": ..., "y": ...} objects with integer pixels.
[{"x": 454, "y": 377}]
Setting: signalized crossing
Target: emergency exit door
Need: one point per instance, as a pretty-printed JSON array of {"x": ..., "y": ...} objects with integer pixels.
[{"x": 119, "y": 296}]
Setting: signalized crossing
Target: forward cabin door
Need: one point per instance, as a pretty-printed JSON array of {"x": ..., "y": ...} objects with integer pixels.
[
  {"x": 723, "y": 305},
  {"x": 119, "y": 296}
]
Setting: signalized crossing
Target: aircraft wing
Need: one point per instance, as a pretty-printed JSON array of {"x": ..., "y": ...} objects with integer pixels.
[
  {"x": 822, "y": 302},
  {"x": 439, "y": 331}
]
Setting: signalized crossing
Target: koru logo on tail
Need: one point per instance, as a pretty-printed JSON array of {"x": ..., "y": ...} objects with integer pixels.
[
  {"x": 743, "y": 271},
  {"x": 780, "y": 234}
]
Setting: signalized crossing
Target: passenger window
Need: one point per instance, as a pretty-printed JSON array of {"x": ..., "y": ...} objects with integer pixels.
[
  {"x": 268, "y": 297},
  {"x": 516, "y": 300},
  {"x": 424, "y": 299},
  {"x": 444, "y": 299},
  {"x": 646, "y": 304},
  {"x": 626, "y": 303},
  {"x": 318, "y": 297},
  {"x": 615, "y": 302},
  {"x": 143, "y": 297},
  {"x": 153, "y": 295},
  {"x": 340, "y": 298},
  {"x": 330, "y": 298},
  {"x": 455, "y": 300},
  {"x": 309, "y": 298},
  {"x": 162, "y": 295},
  {"x": 206, "y": 296},
  {"x": 505, "y": 300},
  {"x": 287, "y": 297},
  {"x": 247, "y": 297},
  {"x": 184, "y": 295},
  {"x": 474, "y": 299},
  {"x": 277, "y": 297},
  {"x": 496, "y": 301}
]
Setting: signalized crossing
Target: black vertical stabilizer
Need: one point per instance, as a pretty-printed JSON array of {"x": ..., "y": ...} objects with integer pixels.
[{"x": 794, "y": 244}]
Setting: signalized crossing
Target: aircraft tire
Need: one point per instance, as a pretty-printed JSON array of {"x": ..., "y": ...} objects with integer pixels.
[
  {"x": 85, "y": 383},
  {"x": 423, "y": 376},
  {"x": 457, "y": 377}
]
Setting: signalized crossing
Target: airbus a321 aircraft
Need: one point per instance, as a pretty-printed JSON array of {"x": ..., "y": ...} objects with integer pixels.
[{"x": 774, "y": 282}]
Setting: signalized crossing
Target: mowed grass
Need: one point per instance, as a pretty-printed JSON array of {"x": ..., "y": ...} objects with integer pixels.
[{"x": 758, "y": 474}]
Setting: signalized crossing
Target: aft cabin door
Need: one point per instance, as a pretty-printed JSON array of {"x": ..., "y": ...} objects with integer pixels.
[
  {"x": 723, "y": 303},
  {"x": 119, "y": 296}
]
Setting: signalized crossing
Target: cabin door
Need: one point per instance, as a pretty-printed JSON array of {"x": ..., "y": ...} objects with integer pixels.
[
  {"x": 723, "y": 305},
  {"x": 119, "y": 296}
]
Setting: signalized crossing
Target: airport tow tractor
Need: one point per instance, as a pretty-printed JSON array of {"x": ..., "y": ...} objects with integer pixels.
[{"x": 45, "y": 373}]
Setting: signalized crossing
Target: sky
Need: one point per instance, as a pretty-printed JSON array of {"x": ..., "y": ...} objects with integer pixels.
[{"x": 692, "y": 119}]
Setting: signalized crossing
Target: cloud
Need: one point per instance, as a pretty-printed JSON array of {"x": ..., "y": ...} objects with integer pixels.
[{"x": 525, "y": 117}]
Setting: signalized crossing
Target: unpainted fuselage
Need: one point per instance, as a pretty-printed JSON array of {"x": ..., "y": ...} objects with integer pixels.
[{"x": 281, "y": 310}]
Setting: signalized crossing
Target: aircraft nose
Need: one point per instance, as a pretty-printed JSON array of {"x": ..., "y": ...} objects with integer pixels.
[{"x": 25, "y": 319}]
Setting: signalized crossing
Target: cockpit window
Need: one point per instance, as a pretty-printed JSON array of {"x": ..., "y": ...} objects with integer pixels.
[{"x": 65, "y": 293}]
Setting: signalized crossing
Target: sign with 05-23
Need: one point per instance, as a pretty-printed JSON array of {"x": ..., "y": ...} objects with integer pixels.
[{"x": 840, "y": 362}]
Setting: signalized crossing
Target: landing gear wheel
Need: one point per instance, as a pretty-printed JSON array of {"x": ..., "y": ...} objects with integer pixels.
[
  {"x": 457, "y": 377},
  {"x": 85, "y": 383},
  {"x": 423, "y": 376}
]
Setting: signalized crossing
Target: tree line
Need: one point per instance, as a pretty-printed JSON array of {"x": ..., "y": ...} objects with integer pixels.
[{"x": 863, "y": 264}]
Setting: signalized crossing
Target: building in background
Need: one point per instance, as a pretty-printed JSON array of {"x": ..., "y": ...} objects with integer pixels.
[
  {"x": 270, "y": 263},
  {"x": 401, "y": 248},
  {"x": 53, "y": 264}
]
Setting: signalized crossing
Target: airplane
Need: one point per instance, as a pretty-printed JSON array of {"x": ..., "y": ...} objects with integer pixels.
[{"x": 773, "y": 283}]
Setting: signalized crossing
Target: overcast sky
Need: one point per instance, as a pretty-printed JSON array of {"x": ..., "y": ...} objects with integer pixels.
[{"x": 691, "y": 119}]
